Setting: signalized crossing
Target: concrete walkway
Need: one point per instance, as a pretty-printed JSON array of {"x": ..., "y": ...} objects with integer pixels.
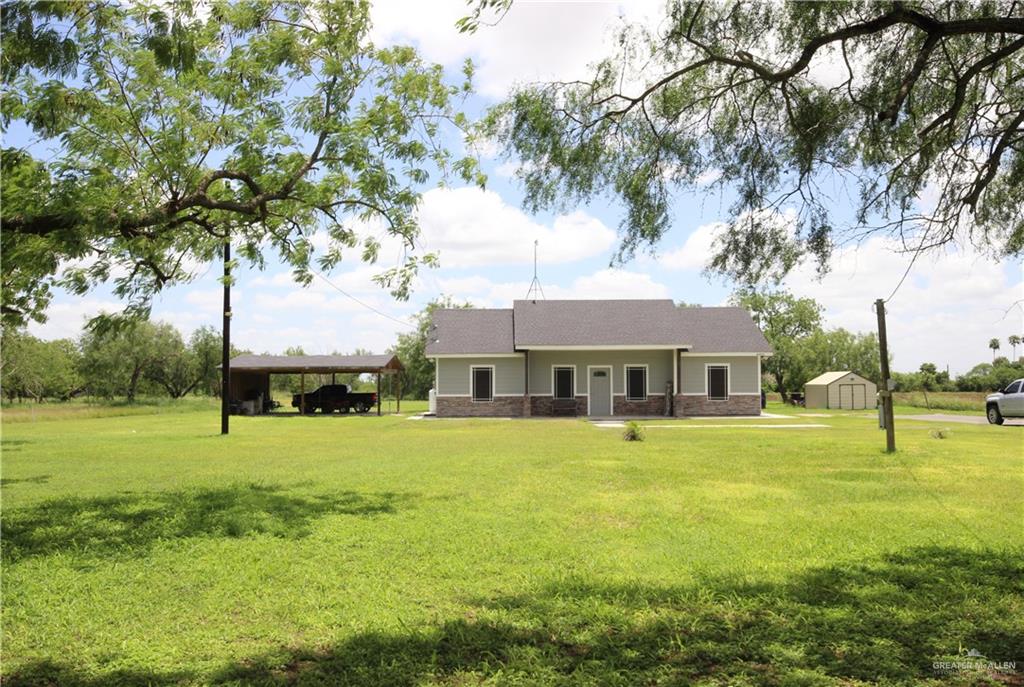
[
  {"x": 607, "y": 424},
  {"x": 961, "y": 419}
]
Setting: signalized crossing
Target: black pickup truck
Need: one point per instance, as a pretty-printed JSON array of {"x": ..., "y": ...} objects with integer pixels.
[{"x": 331, "y": 397}]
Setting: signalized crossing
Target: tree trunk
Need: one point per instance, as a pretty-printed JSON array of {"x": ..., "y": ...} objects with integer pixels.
[
  {"x": 781, "y": 386},
  {"x": 133, "y": 384}
]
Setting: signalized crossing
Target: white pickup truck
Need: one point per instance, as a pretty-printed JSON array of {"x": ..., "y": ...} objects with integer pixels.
[{"x": 1006, "y": 403}]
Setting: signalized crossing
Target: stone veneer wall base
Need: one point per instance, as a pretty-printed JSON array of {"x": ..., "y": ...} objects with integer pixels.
[
  {"x": 654, "y": 406},
  {"x": 697, "y": 406},
  {"x": 464, "y": 406}
]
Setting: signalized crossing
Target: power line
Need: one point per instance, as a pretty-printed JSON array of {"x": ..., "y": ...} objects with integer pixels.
[
  {"x": 917, "y": 254},
  {"x": 365, "y": 305}
]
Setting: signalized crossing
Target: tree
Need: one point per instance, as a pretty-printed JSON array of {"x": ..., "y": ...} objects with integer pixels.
[
  {"x": 38, "y": 369},
  {"x": 117, "y": 361},
  {"x": 172, "y": 365},
  {"x": 994, "y": 345},
  {"x": 204, "y": 345},
  {"x": 1014, "y": 341},
  {"x": 418, "y": 375},
  {"x": 924, "y": 95},
  {"x": 785, "y": 320},
  {"x": 836, "y": 349},
  {"x": 169, "y": 131}
]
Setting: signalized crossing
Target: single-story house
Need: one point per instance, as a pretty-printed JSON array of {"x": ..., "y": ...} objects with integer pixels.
[
  {"x": 597, "y": 358},
  {"x": 843, "y": 389}
]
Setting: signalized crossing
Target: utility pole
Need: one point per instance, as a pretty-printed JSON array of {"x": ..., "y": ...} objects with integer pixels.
[
  {"x": 883, "y": 345},
  {"x": 225, "y": 363}
]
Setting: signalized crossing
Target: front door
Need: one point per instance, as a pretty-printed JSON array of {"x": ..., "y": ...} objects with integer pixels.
[{"x": 600, "y": 390}]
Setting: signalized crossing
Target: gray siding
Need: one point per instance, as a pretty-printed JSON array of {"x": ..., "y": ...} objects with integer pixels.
[
  {"x": 742, "y": 373},
  {"x": 659, "y": 368},
  {"x": 453, "y": 375}
]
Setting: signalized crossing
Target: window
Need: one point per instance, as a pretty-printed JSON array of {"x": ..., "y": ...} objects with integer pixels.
[
  {"x": 483, "y": 383},
  {"x": 636, "y": 383},
  {"x": 718, "y": 383},
  {"x": 1013, "y": 388},
  {"x": 565, "y": 382}
]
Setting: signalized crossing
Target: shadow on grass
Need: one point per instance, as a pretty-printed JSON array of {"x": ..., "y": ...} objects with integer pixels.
[
  {"x": 884, "y": 621},
  {"x": 12, "y": 445},
  {"x": 38, "y": 479},
  {"x": 130, "y": 523}
]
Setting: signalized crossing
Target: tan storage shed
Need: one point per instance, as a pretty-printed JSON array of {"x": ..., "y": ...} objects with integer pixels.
[{"x": 842, "y": 390}]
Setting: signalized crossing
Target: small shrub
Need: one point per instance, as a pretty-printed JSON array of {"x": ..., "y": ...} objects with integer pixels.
[{"x": 634, "y": 431}]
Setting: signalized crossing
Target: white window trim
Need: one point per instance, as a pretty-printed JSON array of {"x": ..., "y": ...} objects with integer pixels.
[
  {"x": 728, "y": 381},
  {"x": 611, "y": 386},
  {"x": 474, "y": 368},
  {"x": 553, "y": 388},
  {"x": 625, "y": 381}
]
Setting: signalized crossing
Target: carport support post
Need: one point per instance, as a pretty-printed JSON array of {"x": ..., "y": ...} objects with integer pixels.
[
  {"x": 398, "y": 394},
  {"x": 886, "y": 394},
  {"x": 378, "y": 394},
  {"x": 225, "y": 353},
  {"x": 302, "y": 393}
]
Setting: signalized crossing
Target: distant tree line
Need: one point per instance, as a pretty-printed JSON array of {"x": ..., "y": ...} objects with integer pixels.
[
  {"x": 145, "y": 358},
  {"x": 153, "y": 359},
  {"x": 804, "y": 350},
  {"x": 142, "y": 358}
]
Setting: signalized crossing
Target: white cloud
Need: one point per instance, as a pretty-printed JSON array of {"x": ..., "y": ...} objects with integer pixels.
[
  {"x": 945, "y": 312},
  {"x": 470, "y": 227},
  {"x": 695, "y": 251},
  {"x": 66, "y": 319},
  {"x": 535, "y": 41},
  {"x": 606, "y": 283}
]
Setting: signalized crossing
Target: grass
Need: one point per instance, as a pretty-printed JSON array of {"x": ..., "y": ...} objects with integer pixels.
[
  {"x": 148, "y": 550},
  {"x": 943, "y": 400},
  {"x": 906, "y": 403},
  {"x": 88, "y": 408}
]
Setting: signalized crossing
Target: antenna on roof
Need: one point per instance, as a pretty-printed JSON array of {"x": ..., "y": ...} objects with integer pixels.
[{"x": 535, "y": 287}]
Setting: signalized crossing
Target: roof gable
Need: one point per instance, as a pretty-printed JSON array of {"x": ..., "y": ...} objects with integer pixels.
[
  {"x": 597, "y": 323},
  {"x": 593, "y": 324}
]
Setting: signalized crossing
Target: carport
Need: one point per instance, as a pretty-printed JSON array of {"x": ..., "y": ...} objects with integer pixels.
[{"x": 250, "y": 374}]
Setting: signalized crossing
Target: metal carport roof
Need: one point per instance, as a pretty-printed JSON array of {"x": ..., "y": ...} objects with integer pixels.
[{"x": 294, "y": 364}]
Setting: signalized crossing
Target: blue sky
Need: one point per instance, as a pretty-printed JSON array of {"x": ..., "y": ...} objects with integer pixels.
[{"x": 945, "y": 313}]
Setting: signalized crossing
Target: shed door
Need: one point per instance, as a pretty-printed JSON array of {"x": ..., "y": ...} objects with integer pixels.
[
  {"x": 852, "y": 397},
  {"x": 860, "y": 397}
]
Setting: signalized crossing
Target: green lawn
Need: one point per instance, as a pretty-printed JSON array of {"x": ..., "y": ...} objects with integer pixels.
[{"x": 147, "y": 550}]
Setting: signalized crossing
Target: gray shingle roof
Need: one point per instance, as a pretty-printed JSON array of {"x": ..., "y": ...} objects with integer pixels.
[
  {"x": 584, "y": 323},
  {"x": 597, "y": 323},
  {"x": 470, "y": 330},
  {"x": 722, "y": 330},
  {"x": 315, "y": 363}
]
